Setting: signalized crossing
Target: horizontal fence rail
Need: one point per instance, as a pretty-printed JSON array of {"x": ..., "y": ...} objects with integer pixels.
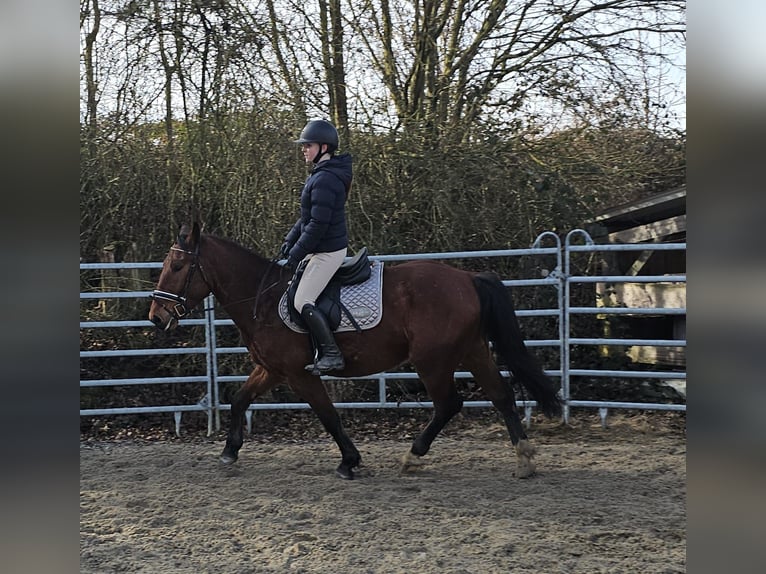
[{"x": 561, "y": 278}]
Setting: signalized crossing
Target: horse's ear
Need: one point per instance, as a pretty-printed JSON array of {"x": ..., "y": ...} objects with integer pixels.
[
  {"x": 196, "y": 230},
  {"x": 183, "y": 235}
]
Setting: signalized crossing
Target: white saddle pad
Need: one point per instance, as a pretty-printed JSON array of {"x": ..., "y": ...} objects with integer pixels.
[{"x": 363, "y": 300}]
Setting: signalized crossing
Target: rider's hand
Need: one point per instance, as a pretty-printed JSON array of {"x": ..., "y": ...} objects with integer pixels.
[{"x": 292, "y": 264}]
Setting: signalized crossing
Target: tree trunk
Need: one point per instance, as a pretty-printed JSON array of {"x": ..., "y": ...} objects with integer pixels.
[{"x": 91, "y": 84}]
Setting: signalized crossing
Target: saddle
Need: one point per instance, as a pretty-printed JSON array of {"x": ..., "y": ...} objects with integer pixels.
[{"x": 355, "y": 271}]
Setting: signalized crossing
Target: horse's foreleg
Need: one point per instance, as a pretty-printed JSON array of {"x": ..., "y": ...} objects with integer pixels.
[
  {"x": 256, "y": 384},
  {"x": 313, "y": 391}
]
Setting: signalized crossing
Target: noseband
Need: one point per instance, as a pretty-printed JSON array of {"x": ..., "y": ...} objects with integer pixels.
[{"x": 180, "y": 309}]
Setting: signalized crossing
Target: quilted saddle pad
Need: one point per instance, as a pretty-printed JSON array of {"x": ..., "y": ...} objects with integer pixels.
[{"x": 363, "y": 300}]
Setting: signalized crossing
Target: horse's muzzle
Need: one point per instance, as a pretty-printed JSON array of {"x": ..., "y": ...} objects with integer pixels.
[{"x": 156, "y": 315}]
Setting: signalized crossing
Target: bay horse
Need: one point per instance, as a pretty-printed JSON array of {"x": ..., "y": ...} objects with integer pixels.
[{"x": 435, "y": 316}]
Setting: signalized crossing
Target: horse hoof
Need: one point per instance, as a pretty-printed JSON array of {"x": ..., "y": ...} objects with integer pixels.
[
  {"x": 525, "y": 466},
  {"x": 410, "y": 462},
  {"x": 344, "y": 473},
  {"x": 227, "y": 459}
]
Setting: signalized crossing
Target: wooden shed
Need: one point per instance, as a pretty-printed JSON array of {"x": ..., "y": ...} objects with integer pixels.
[{"x": 660, "y": 218}]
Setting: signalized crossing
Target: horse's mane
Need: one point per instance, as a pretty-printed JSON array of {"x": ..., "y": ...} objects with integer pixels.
[
  {"x": 240, "y": 271},
  {"x": 233, "y": 245}
]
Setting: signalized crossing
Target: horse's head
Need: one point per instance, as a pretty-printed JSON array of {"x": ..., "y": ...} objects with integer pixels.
[{"x": 182, "y": 285}]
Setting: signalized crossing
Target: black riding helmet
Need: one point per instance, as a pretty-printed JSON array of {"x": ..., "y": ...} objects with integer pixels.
[{"x": 321, "y": 132}]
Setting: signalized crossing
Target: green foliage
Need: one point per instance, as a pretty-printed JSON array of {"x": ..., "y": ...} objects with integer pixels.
[{"x": 241, "y": 176}]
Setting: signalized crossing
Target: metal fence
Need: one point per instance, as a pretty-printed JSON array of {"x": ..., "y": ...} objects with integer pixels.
[{"x": 557, "y": 273}]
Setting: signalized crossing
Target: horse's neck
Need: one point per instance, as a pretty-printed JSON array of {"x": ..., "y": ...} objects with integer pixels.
[{"x": 235, "y": 274}]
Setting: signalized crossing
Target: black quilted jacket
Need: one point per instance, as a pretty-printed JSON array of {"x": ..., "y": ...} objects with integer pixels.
[{"x": 321, "y": 227}]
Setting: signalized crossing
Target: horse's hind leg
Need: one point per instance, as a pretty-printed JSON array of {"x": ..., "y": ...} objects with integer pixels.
[
  {"x": 500, "y": 392},
  {"x": 447, "y": 403},
  {"x": 256, "y": 384}
]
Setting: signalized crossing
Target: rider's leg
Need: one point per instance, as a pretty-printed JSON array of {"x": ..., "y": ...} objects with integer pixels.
[{"x": 319, "y": 270}]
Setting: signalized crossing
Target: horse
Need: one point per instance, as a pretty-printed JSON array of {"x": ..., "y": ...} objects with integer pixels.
[{"x": 435, "y": 317}]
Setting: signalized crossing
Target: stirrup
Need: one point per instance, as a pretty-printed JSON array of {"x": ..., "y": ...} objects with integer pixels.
[
  {"x": 312, "y": 368},
  {"x": 318, "y": 368}
]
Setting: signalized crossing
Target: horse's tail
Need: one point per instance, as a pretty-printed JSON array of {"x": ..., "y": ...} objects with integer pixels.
[{"x": 500, "y": 325}]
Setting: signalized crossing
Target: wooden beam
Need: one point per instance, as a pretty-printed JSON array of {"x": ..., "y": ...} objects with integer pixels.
[
  {"x": 674, "y": 356},
  {"x": 650, "y": 231},
  {"x": 639, "y": 263},
  {"x": 642, "y": 295}
]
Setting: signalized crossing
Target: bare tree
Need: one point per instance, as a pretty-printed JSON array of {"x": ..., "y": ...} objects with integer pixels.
[
  {"x": 444, "y": 65},
  {"x": 336, "y": 72},
  {"x": 448, "y": 64},
  {"x": 192, "y": 104},
  {"x": 90, "y": 13}
]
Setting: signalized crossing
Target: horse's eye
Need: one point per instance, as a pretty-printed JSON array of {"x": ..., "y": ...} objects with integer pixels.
[{"x": 176, "y": 261}]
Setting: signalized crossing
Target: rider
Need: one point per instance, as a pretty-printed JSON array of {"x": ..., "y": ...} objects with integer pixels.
[{"x": 320, "y": 236}]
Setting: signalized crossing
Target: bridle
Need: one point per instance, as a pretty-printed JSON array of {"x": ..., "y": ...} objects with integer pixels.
[{"x": 180, "y": 309}]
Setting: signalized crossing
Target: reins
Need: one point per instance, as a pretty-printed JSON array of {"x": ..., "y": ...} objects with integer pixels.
[{"x": 261, "y": 290}]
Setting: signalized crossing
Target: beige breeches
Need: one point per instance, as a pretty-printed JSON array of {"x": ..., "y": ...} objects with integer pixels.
[{"x": 319, "y": 270}]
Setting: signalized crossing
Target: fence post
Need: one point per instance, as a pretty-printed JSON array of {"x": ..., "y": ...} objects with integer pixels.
[
  {"x": 213, "y": 403},
  {"x": 567, "y": 317},
  {"x": 559, "y": 276}
]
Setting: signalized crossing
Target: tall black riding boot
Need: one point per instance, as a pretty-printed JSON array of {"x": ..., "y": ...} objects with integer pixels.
[{"x": 329, "y": 356}]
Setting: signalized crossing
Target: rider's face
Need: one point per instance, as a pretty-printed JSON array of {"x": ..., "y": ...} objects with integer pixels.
[{"x": 309, "y": 151}]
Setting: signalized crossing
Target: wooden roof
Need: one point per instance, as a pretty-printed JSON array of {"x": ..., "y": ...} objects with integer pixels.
[{"x": 660, "y": 217}]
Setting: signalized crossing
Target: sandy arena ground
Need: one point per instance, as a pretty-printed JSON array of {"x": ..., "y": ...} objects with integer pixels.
[{"x": 603, "y": 500}]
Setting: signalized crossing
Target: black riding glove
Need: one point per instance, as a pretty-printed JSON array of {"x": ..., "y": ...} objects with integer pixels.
[
  {"x": 284, "y": 251},
  {"x": 292, "y": 264}
]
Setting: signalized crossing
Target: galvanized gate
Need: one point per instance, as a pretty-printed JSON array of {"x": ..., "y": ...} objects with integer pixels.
[{"x": 557, "y": 271}]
